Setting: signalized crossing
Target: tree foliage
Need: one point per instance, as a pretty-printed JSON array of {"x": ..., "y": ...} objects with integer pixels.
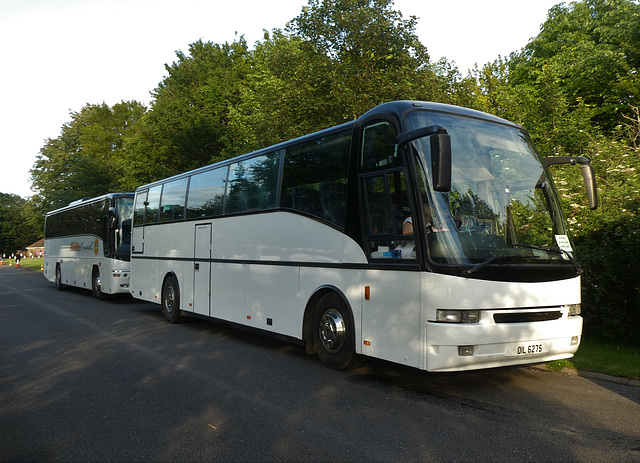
[
  {"x": 374, "y": 52},
  {"x": 608, "y": 239},
  {"x": 286, "y": 94},
  {"x": 187, "y": 124},
  {"x": 87, "y": 158},
  {"x": 16, "y": 227},
  {"x": 581, "y": 72}
]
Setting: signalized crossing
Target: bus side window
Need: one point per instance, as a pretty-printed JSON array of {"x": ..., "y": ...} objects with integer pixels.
[
  {"x": 206, "y": 193},
  {"x": 379, "y": 148},
  {"x": 314, "y": 177},
  {"x": 173, "y": 200},
  {"x": 152, "y": 205},
  {"x": 388, "y": 208},
  {"x": 253, "y": 184},
  {"x": 138, "y": 210}
]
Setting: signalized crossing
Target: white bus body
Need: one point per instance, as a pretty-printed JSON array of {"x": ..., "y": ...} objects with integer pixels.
[
  {"x": 87, "y": 244},
  {"x": 340, "y": 277}
]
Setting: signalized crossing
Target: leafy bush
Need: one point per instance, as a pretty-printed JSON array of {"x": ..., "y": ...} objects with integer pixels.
[{"x": 608, "y": 240}]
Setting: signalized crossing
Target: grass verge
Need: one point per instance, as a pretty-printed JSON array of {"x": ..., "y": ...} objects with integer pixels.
[
  {"x": 33, "y": 263},
  {"x": 603, "y": 357}
]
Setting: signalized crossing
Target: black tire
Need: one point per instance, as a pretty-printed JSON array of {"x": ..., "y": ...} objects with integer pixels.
[
  {"x": 59, "y": 285},
  {"x": 171, "y": 300},
  {"x": 333, "y": 333},
  {"x": 96, "y": 284}
]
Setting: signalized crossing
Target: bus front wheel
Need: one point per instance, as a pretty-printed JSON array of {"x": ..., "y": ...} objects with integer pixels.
[
  {"x": 171, "y": 300},
  {"x": 333, "y": 333}
]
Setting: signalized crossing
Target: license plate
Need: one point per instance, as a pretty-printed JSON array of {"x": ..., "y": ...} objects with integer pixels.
[{"x": 529, "y": 348}]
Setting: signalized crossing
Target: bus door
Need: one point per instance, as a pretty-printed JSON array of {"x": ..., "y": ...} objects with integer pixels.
[
  {"x": 137, "y": 234},
  {"x": 202, "y": 269},
  {"x": 391, "y": 311}
]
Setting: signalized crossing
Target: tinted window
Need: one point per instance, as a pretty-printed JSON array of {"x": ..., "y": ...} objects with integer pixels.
[
  {"x": 83, "y": 220},
  {"x": 314, "y": 178},
  {"x": 206, "y": 193},
  {"x": 390, "y": 222},
  {"x": 153, "y": 204},
  {"x": 138, "y": 213},
  {"x": 379, "y": 147},
  {"x": 253, "y": 184},
  {"x": 173, "y": 200}
]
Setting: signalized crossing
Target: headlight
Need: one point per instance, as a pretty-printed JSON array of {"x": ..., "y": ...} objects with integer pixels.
[{"x": 458, "y": 316}]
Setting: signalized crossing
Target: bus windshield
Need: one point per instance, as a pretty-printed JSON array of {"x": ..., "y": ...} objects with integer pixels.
[
  {"x": 122, "y": 233},
  {"x": 502, "y": 206}
]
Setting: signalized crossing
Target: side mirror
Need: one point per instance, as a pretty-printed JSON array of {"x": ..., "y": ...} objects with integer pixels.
[
  {"x": 587, "y": 174},
  {"x": 440, "y": 153},
  {"x": 112, "y": 218}
]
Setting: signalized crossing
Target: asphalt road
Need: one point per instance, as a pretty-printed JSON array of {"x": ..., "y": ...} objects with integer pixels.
[{"x": 89, "y": 380}]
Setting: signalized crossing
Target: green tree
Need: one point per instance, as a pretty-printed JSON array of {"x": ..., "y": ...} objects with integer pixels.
[
  {"x": 16, "y": 229},
  {"x": 375, "y": 53},
  {"x": 447, "y": 85},
  {"x": 187, "y": 125},
  {"x": 331, "y": 64},
  {"x": 581, "y": 72},
  {"x": 287, "y": 93},
  {"x": 87, "y": 159},
  {"x": 494, "y": 93}
]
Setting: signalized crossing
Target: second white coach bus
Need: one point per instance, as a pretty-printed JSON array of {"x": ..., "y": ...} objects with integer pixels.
[
  {"x": 87, "y": 244},
  {"x": 423, "y": 234}
]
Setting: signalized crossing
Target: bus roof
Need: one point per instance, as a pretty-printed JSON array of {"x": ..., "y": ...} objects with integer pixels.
[
  {"x": 395, "y": 108},
  {"x": 399, "y": 108},
  {"x": 83, "y": 201}
]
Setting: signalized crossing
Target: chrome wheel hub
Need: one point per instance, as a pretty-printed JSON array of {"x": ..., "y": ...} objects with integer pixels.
[{"x": 332, "y": 330}]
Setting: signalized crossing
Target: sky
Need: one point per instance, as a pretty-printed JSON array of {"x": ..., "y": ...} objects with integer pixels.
[{"x": 59, "y": 55}]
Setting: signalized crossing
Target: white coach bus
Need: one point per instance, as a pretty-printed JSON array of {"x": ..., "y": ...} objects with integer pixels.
[
  {"x": 87, "y": 244},
  {"x": 423, "y": 234}
]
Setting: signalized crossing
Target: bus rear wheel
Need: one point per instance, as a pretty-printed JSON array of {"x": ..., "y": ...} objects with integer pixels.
[
  {"x": 96, "y": 284},
  {"x": 333, "y": 333},
  {"x": 59, "y": 285},
  {"x": 171, "y": 300}
]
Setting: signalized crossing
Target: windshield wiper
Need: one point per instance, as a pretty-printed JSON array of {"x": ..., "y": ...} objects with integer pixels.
[
  {"x": 475, "y": 268},
  {"x": 560, "y": 251}
]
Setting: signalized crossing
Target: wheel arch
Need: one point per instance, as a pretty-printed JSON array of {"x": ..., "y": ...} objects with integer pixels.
[{"x": 307, "y": 319}]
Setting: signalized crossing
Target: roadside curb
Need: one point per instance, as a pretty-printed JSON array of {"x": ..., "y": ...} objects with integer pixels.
[
  {"x": 590, "y": 375},
  {"x": 609, "y": 378}
]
